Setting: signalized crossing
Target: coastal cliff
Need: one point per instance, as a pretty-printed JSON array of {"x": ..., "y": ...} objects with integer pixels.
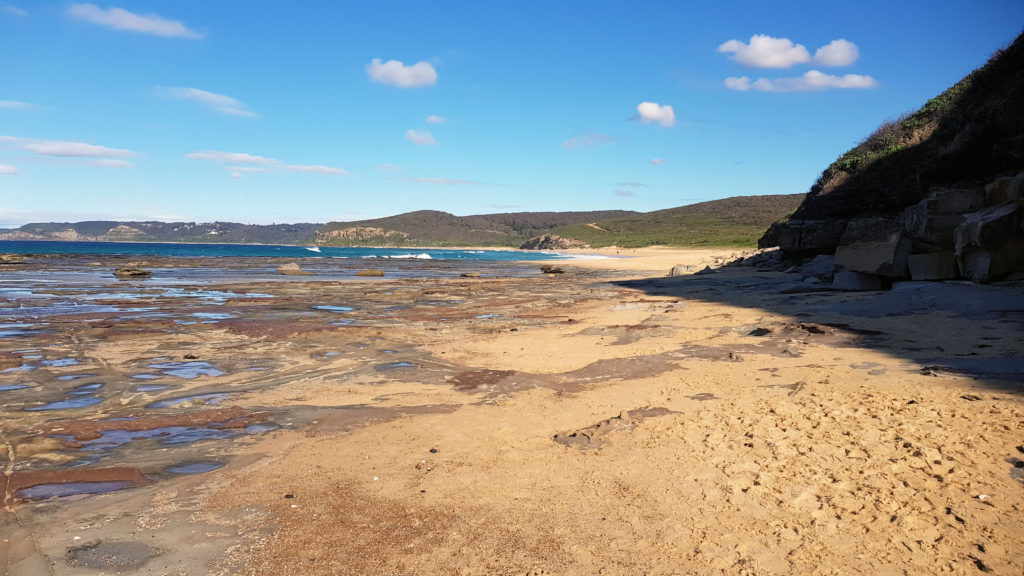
[{"x": 936, "y": 194}]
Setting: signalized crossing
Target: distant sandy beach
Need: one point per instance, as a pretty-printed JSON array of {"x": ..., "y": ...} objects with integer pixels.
[{"x": 608, "y": 419}]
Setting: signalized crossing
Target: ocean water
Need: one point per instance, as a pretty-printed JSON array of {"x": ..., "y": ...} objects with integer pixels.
[{"x": 261, "y": 250}]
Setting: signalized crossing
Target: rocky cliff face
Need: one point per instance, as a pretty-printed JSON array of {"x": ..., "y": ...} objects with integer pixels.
[
  {"x": 937, "y": 194},
  {"x": 552, "y": 242}
]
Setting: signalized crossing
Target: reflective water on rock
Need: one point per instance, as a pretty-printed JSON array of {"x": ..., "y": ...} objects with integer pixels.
[
  {"x": 194, "y": 467},
  {"x": 213, "y": 398},
  {"x": 187, "y": 370},
  {"x": 63, "y": 490},
  {"x": 393, "y": 366}
]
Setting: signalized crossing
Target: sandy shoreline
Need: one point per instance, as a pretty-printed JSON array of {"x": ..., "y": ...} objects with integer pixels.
[{"x": 608, "y": 420}]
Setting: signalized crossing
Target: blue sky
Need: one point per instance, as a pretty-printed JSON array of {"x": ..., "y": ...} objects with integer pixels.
[{"x": 314, "y": 111}]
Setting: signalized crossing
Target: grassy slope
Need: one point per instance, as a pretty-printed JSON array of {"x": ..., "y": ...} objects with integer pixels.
[
  {"x": 737, "y": 221},
  {"x": 432, "y": 228},
  {"x": 964, "y": 136}
]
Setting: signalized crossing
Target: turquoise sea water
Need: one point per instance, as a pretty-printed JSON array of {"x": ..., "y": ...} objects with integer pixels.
[{"x": 260, "y": 250}]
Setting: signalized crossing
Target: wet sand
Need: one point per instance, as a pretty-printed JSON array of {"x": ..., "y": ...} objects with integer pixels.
[{"x": 607, "y": 420}]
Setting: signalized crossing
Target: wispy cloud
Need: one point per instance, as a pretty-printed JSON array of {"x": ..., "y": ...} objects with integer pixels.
[
  {"x": 588, "y": 140},
  {"x": 8, "y": 170},
  {"x": 251, "y": 163},
  {"x": 420, "y": 137},
  {"x": 648, "y": 112},
  {"x": 658, "y": 161},
  {"x": 15, "y": 105},
  {"x": 632, "y": 184},
  {"x": 395, "y": 73},
  {"x": 445, "y": 181},
  {"x": 316, "y": 169},
  {"x": 112, "y": 163},
  {"x": 12, "y": 10},
  {"x": 65, "y": 149},
  {"x": 435, "y": 119},
  {"x": 121, "y": 19},
  {"x": 765, "y": 51},
  {"x": 622, "y": 192},
  {"x": 231, "y": 157},
  {"x": 812, "y": 80},
  {"x": 218, "y": 102}
]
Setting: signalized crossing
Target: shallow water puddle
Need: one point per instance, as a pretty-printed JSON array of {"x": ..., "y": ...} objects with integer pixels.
[
  {"x": 10, "y": 387},
  {"x": 334, "y": 308},
  {"x": 60, "y": 362},
  {"x": 70, "y": 403},
  {"x": 393, "y": 366},
  {"x": 69, "y": 377},
  {"x": 151, "y": 387},
  {"x": 187, "y": 370},
  {"x": 194, "y": 467},
  {"x": 22, "y": 368},
  {"x": 63, "y": 490},
  {"x": 213, "y": 398}
]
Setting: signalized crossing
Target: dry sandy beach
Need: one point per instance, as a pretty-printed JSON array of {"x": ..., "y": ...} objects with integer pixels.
[{"x": 606, "y": 420}]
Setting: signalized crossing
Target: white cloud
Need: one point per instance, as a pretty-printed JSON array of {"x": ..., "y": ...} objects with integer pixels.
[
  {"x": 445, "y": 181},
  {"x": 108, "y": 163},
  {"x": 63, "y": 148},
  {"x": 7, "y": 169},
  {"x": 235, "y": 175},
  {"x": 120, "y": 19},
  {"x": 588, "y": 140},
  {"x": 622, "y": 192},
  {"x": 812, "y": 80},
  {"x": 218, "y": 102},
  {"x": 837, "y": 53},
  {"x": 632, "y": 184},
  {"x": 658, "y": 161},
  {"x": 420, "y": 137},
  {"x": 253, "y": 164},
  {"x": 766, "y": 52},
  {"x": 12, "y": 10},
  {"x": 231, "y": 157},
  {"x": 15, "y": 105},
  {"x": 315, "y": 169},
  {"x": 648, "y": 112},
  {"x": 395, "y": 73},
  {"x": 435, "y": 119}
]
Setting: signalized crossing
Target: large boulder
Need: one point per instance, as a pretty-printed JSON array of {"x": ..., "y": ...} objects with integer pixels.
[
  {"x": 1005, "y": 189},
  {"x": 292, "y": 269},
  {"x": 875, "y": 246},
  {"x": 983, "y": 264},
  {"x": 989, "y": 228},
  {"x": 823, "y": 266},
  {"x": 132, "y": 272},
  {"x": 856, "y": 281},
  {"x": 804, "y": 237},
  {"x": 933, "y": 266},
  {"x": 932, "y": 222}
]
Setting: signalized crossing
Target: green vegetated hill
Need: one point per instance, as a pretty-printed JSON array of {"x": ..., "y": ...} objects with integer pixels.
[
  {"x": 433, "y": 228},
  {"x": 736, "y": 221},
  {"x": 963, "y": 137},
  {"x": 211, "y": 232}
]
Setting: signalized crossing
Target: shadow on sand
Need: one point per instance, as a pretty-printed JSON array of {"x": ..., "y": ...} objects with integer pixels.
[{"x": 957, "y": 328}]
